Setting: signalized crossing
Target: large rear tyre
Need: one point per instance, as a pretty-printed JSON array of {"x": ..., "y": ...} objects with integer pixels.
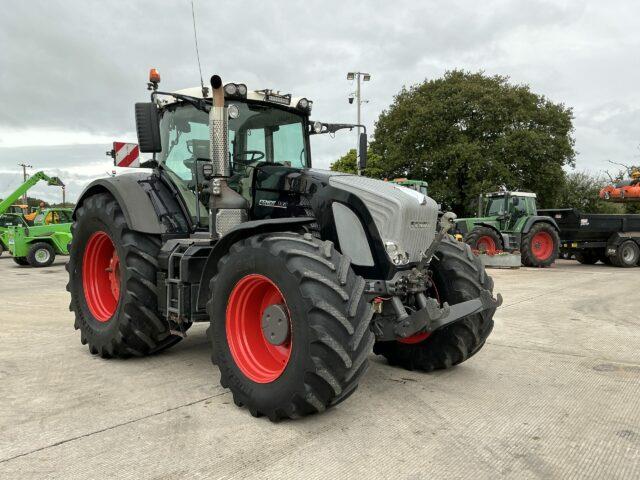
[
  {"x": 41, "y": 254},
  {"x": 540, "y": 246},
  {"x": 627, "y": 255},
  {"x": 112, "y": 281},
  {"x": 484, "y": 239},
  {"x": 22, "y": 261},
  {"x": 290, "y": 325},
  {"x": 458, "y": 276}
]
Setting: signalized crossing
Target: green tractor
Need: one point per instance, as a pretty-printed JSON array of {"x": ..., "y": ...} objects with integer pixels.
[
  {"x": 509, "y": 221},
  {"x": 37, "y": 245},
  {"x": 417, "y": 185}
]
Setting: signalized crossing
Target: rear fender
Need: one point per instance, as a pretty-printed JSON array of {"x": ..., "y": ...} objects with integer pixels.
[
  {"x": 242, "y": 231},
  {"x": 146, "y": 202}
]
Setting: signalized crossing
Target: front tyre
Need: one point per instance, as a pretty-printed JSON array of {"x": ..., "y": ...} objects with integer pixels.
[
  {"x": 540, "y": 246},
  {"x": 289, "y": 324},
  {"x": 41, "y": 254},
  {"x": 458, "y": 276},
  {"x": 112, "y": 281}
]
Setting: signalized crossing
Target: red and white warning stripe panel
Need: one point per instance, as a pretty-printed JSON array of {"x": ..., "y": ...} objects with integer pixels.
[{"x": 126, "y": 154}]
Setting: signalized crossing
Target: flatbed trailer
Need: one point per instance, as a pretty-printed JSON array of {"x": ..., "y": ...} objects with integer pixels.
[{"x": 613, "y": 239}]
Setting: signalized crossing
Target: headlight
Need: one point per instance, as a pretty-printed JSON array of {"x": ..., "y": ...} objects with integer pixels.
[
  {"x": 233, "y": 111},
  {"x": 317, "y": 127},
  {"x": 242, "y": 89},
  {"x": 231, "y": 89},
  {"x": 304, "y": 104}
]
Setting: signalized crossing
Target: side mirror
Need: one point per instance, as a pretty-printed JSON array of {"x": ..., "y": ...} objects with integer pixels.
[
  {"x": 362, "y": 150},
  {"x": 148, "y": 127}
]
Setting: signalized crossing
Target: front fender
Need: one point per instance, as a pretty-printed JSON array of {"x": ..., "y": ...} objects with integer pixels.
[
  {"x": 242, "y": 231},
  {"x": 539, "y": 218}
]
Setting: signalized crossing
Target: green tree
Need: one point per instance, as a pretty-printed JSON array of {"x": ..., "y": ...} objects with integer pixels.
[
  {"x": 581, "y": 191},
  {"x": 347, "y": 164},
  {"x": 468, "y": 133}
]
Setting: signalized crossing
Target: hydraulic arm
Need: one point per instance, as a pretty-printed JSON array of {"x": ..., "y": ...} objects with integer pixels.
[{"x": 31, "y": 181}]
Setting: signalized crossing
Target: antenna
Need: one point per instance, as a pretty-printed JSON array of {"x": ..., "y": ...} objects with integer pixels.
[{"x": 205, "y": 90}]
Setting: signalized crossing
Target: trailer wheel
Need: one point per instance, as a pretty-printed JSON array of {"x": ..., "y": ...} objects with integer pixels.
[
  {"x": 41, "y": 254},
  {"x": 112, "y": 281},
  {"x": 458, "y": 276},
  {"x": 540, "y": 246},
  {"x": 1, "y": 249},
  {"x": 289, "y": 325},
  {"x": 627, "y": 255},
  {"x": 587, "y": 257},
  {"x": 22, "y": 261},
  {"x": 484, "y": 239}
]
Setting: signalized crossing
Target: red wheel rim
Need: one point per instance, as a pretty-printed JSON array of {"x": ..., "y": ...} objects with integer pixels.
[
  {"x": 421, "y": 336},
  {"x": 101, "y": 276},
  {"x": 258, "y": 359},
  {"x": 486, "y": 243},
  {"x": 542, "y": 245}
]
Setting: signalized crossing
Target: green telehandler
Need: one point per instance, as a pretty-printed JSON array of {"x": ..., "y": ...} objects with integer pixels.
[
  {"x": 12, "y": 214},
  {"x": 509, "y": 221},
  {"x": 34, "y": 239},
  {"x": 37, "y": 245}
]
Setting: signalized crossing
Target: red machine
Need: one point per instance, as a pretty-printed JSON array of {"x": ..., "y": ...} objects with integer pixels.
[{"x": 622, "y": 192}]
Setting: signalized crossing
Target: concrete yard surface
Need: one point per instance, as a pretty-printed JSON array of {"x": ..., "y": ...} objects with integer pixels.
[{"x": 555, "y": 393}]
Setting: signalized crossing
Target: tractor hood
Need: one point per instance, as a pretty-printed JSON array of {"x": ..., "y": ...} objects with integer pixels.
[{"x": 406, "y": 220}]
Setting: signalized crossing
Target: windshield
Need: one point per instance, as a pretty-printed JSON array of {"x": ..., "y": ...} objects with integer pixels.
[
  {"x": 259, "y": 134},
  {"x": 495, "y": 206},
  {"x": 11, "y": 220}
]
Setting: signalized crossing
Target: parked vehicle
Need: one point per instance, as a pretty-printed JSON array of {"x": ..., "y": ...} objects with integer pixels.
[
  {"x": 613, "y": 239},
  {"x": 417, "y": 185},
  {"x": 625, "y": 191},
  {"x": 300, "y": 272},
  {"x": 37, "y": 245},
  {"x": 8, "y": 220},
  {"x": 510, "y": 221}
]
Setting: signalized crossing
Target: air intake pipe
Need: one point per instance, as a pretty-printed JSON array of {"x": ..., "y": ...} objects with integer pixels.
[{"x": 227, "y": 208}]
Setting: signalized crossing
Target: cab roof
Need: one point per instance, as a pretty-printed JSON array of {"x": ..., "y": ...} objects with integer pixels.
[
  {"x": 513, "y": 194},
  {"x": 256, "y": 95}
]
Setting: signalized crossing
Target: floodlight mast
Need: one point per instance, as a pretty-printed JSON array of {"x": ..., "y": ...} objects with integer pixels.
[{"x": 365, "y": 77}]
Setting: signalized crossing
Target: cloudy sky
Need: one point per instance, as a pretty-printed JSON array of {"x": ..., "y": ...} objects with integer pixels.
[{"x": 70, "y": 71}]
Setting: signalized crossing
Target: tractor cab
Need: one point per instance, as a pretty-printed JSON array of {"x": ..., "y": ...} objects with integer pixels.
[
  {"x": 266, "y": 130},
  {"x": 53, "y": 216},
  {"x": 507, "y": 209}
]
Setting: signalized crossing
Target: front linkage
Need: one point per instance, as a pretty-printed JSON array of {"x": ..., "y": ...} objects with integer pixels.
[{"x": 430, "y": 314}]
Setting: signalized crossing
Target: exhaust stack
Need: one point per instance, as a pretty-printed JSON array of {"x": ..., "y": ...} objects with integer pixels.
[
  {"x": 218, "y": 130},
  {"x": 227, "y": 208}
]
